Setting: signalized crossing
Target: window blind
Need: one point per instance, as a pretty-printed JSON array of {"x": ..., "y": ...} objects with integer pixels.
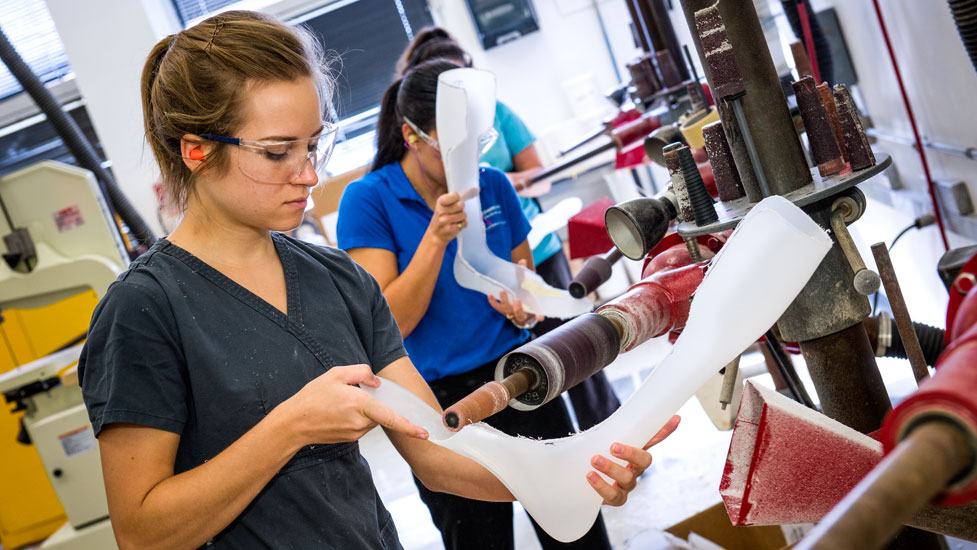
[
  {"x": 29, "y": 27},
  {"x": 187, "y": 10}
]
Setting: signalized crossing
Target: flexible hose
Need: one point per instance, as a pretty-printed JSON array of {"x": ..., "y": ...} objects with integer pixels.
[
  {"x": 74, "y": 139},
  {"x": 965, "y": 16},
  {"x": 930, "y": 339}
]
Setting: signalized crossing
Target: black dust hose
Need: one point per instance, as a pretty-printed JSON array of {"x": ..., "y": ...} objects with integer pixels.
[
  {"x": 930, "y": 339},
  {"x": 822, "y": 48},
  {"x": 885, "y": 338},
  {"x": 965, "y": 16},
  {"x": 74, "y": 139}
]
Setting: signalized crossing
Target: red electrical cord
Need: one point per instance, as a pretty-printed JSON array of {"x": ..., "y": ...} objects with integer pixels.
[
  {"x": 912, "y": 122},
  {"x": 809, "y": 40}
]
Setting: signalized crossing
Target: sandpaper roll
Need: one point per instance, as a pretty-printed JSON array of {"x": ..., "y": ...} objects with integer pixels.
[
  {"x": 595, "y": 272},
  {"x": 824, "y": 145},
  {"x": 644, "y": 77},
  {"x": 801, "y": 61},
  {"x": 828, "y": 100},
  {"x": 565, "y": 356},
  {"x": 674, "y": 164},
  {"x": 487, "y": 400},
  {"x": 727, "y": 81},
  {"x": 697, "y": 101},
  {"x": 655, "y": 305},
  {"x": 629, "y": 133},
  {"x": 856, "y": 142},
  {"x": 728, "y": 181},
  {"x": 668, "y": 69}
]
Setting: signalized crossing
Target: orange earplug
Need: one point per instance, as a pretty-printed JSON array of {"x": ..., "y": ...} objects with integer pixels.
[{"x": 196, "y": 154}]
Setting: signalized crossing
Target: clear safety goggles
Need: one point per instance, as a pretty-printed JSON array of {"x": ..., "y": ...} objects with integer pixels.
[
  {"x": 485, "y": 141},
  {"x": 280, "y": 162}
]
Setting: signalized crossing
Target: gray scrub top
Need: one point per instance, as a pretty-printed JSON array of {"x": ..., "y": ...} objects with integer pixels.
[{"x": 176, "y": 345}]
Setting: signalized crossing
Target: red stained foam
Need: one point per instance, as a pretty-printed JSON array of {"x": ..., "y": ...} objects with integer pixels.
[{"x": 789, "y": 464}]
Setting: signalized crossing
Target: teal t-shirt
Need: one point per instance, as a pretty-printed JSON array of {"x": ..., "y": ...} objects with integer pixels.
[{"x": 514, "y": 136}]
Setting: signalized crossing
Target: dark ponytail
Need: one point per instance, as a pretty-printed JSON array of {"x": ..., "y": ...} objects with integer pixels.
[
  {"x": 390, "y": 141},
  {"x": 413, "y": 97},
  {"x": 422, "y": 39}
]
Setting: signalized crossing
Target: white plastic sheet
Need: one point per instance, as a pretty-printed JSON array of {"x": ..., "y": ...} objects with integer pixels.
[
  {"x": 553, "y": 219},
  {"x": 743, "y": 294},
  {"x": 465, "y": 111}
]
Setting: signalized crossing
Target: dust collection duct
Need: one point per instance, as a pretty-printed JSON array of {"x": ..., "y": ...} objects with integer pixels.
[{"x": 75, "y": 140}]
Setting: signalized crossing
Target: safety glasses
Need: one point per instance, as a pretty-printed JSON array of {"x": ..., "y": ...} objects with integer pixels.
[
  {"x": 280, "y": 162},
  {"x": 485, "y": 141}
]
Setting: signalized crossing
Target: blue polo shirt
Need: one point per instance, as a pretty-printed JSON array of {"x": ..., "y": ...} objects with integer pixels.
[{"x": 459, "y": 330}]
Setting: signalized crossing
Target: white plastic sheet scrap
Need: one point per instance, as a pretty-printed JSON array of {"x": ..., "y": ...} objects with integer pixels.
[
  {"x": 465, "y": 111},
  {"x": 743, "y": 294}
]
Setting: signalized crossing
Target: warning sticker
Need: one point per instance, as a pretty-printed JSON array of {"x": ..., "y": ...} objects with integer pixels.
[
  {"x": 68, "y": 218},
  {"x": 77, "y": 441}
]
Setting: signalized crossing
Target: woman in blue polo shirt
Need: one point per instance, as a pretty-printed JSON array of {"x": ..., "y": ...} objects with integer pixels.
[
  {"x": 400, "y": 224},
  {"x": 515, "y": 153}
]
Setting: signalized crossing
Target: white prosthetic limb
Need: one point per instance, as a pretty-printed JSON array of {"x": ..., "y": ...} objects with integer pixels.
[
  {"x": 745, "y": 291},
  {"x": 465, "y": 111}
]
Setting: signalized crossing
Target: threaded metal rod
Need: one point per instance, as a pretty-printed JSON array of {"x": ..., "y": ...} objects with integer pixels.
[{"x": 703, "y": 209}]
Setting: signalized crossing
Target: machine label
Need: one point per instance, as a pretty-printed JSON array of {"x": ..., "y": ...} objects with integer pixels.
[
  {"x": 77, "y": 441},
  {"x": 68, "y": 218}
]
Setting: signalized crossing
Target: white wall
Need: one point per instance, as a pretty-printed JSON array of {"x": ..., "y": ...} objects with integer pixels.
[
  {"x": 107, "y": 42},
  {"x": 531, "y": 69},
  {"x": 940, "y": 81}
]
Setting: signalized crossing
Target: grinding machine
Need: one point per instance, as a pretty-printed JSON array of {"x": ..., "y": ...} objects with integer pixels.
[
  {"x": 46, "y": 259},
  {"x": 663, "y": 91},
  {"x": 753, "y": 150}
]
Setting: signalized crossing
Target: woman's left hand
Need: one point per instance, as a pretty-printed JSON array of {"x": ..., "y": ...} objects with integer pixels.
[
  {"x": 625, "y": 477},
  {"x": 512, "y": 310}
]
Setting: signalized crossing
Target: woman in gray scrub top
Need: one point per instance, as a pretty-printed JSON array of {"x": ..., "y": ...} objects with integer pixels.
[{"x": 220, "y": 368}]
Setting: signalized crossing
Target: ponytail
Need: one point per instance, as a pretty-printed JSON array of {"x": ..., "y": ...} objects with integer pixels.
[
  {"x": 390, "y": 141},
  {"x": 423, "y": 37}
]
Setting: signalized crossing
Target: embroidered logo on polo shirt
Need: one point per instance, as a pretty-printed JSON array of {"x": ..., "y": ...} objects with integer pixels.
[{"x": 492, "y": 217}]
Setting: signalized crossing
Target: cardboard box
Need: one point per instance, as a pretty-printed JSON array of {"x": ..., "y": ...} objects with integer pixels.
[
  {"x": 325, "y": 199},
  {"x": 714, "y": 525}
]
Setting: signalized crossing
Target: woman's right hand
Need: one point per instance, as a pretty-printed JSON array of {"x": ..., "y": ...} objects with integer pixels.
[
  {"x": 331, "y": 409},
  {"x": 449, "y": 218}
]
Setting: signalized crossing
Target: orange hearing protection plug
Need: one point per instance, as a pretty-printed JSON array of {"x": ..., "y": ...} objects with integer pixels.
[{"x": 196, "y": 154}]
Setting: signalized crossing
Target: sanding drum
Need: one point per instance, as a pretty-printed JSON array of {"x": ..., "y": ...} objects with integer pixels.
[
  {"x": 654, "y": 306},
  {"x": 820, "y": 132},
  {"x": 562, "y": 358},
  {"x": 539, "y": 371},
  {"x": 595, "y": 272}
]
